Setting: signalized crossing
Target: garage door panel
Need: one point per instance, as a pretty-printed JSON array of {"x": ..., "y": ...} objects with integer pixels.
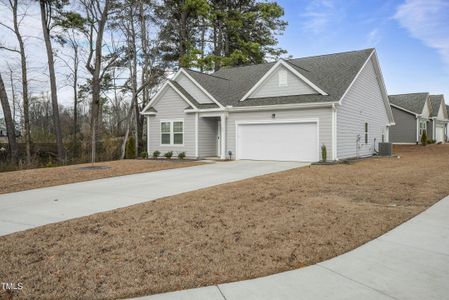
[
  {"x": 439, "y": 134},
  {"x": 278, "y": 141}
]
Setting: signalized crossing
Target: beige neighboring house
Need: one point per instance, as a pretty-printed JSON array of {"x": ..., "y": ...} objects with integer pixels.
[{"x": 438, "y": 120}]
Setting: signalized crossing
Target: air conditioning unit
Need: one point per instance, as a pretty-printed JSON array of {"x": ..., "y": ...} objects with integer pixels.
[{"x": 385, "y": 149}]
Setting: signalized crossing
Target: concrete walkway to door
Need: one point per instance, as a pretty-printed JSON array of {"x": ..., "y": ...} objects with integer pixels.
[
  {"x": 32, "y": 208},
  {"x": 409, "y": 262}
]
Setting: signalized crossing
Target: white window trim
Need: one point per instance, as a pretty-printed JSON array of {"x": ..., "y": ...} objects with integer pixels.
[{"x": 171, "y": 121}]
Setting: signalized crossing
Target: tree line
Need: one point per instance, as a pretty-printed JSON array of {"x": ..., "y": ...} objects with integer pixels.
[{"x": 114, "y": 55}]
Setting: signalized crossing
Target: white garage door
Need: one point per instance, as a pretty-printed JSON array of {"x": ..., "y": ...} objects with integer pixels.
[
  {"x": 285, "y": 141},
  {"x": 440, "y": 134}
]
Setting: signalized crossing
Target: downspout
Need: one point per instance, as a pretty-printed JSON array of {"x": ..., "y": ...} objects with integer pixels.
[
  {"x": 417, "y": 130},
  {"x": 334, "y": 132}
]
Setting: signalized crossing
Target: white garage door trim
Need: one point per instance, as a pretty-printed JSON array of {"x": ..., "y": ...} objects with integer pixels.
[{"x": 278, "y": 121}]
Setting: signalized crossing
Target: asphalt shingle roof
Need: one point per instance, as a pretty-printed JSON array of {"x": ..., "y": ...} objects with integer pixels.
[
  {"x": 435, "y": 100},
  {"x": 332, "y": 73},
  {"x": 191, "y": 99},
  {"x": 413, "y": 102}
]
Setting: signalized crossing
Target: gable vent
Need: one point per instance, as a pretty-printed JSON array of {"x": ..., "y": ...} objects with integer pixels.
[{"x": 282, "y": 78}]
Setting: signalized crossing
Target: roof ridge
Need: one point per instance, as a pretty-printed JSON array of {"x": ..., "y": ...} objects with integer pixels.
[
  {"x": 211, "y": 75},
  {"x": 336, "y": 53},
  {"x": 289, "y": 60},
  {"x": 416, "y": 93}
]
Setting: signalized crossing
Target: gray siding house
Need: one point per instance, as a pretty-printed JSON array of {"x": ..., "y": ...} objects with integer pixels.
[
  {"x": 285, "y": 110},
  {"x": 411, "y": 113},
  {"x": 417, "y": 112}
]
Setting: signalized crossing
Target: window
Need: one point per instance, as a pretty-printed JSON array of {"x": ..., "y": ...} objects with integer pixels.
[
  {"x": 422, "y": 126},
  {"x": 282, "y": 78},
  {"x": 366, "y": 133},
  {"x": 178, "y": 133},
  {"x": 172, "y": 132}
]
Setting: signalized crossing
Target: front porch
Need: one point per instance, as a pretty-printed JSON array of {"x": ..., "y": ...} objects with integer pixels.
[{"x": 211, "y": 136}]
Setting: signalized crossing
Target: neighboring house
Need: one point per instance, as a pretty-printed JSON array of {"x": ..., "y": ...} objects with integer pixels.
[
  {"x": 412, "y": 113},
  {"x": 438, "y": 119},
  {"x": 284, "y": 110}
]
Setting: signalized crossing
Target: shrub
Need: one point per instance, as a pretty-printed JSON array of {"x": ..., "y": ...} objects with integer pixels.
[
  {"x": 50, "y": 164},
  {"x": 324, "y": 153},
  {"x": 156, "y": 154},
  {"x": 182, "y": 155},
  {"x": 168, "y": 155},
  {"x": 424, "y": 138},
  {"x": 130, "y": 148},
  {"x": 144, "y": 154}
]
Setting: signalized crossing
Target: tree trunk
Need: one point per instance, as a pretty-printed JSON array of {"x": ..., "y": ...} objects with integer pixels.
[
  {"x": 45, "y": 15},
  {"x": 128, "y": 125},
  {"x": 75, "y": 100},
  {"x": 10, "y": 128},
  {"x": 96, "y": 80},
  {"x": 23, "y": 62},
  {"x": 145, "y": 67}
]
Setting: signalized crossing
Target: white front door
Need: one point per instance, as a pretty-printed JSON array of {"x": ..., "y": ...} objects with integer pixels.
[
  {"x": 218, "y": 139},
  {"x": 278, "y": 140},
  {"x": 439, "y": 134}
]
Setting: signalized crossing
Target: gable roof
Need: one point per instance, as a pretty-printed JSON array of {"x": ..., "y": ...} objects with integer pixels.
[
  {"x": 413, "y": 102},
  {"x": 435, "y": 101},
  {"x": 333, "y": 73}
]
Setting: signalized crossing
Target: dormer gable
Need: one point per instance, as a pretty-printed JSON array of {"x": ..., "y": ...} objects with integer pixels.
[
  {"x": 427, "y": 109},
  {"x": 282, "y": 80}
]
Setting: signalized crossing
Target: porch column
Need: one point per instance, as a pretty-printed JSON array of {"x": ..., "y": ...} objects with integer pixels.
[
  {"x": 148, "y": 136},
  {"x": 223, "y": 136}
]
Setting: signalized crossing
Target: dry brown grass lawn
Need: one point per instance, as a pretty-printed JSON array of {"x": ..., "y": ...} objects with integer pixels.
[
  {"x": 230, "y": 232},
  {"x": 43, "y": 177}
]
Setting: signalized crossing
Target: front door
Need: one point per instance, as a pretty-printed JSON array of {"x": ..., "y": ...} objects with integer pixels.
[{"x": 219, "y": 139}]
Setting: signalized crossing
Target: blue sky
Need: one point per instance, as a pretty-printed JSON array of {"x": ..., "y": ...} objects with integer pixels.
[{"x": 411, "y": 37}]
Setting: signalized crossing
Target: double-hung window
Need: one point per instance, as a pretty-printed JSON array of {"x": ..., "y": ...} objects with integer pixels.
[
  {"x": 422, "y": 126},
  {"x": 172, "y": 132}
]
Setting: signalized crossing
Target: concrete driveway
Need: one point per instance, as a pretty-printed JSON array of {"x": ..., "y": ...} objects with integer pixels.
[
  {"x": 32, "y": 208},
  {"x": 410, "y": 262}
]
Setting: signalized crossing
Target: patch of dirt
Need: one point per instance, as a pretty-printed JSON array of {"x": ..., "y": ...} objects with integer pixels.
[
  {"x": 226, "y": 233},
  {"x": 44, "y": 177}
]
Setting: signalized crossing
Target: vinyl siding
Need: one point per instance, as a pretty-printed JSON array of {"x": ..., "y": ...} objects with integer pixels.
[
  {"x": 363, "y": 103},
  {"x": 207, "y": 136},
  {"x": 270, "y": 87},
  {"x": 324, "y": 115},
  {"x": 405, "y": 129},
  {"x": 426, "y": 110},
  {"x": 440, "y": 115},
  {"x": 171, "y": 106},
  {"x": 192, "y": 89}
]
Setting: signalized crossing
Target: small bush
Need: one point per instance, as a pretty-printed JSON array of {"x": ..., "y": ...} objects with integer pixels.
[
  {"x": 324, "y": 153},
  {"x": 182, "y": 155},
  {"x": 144, "y": 154},
  {"x": 130, "y": 148},
  {"x": 50, "y": 164},
  {"x": 424, "y": 138},
  {"x": 168, "y": 155},
  {"x": 156, "y": 154}
]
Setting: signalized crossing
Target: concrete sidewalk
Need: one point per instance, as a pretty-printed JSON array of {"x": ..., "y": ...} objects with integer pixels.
[
  {"x": 409, "y": 262},
  {"x": 32, "y": 208}
]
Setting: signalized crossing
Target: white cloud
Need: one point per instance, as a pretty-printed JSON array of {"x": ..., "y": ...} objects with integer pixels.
[
  {"x": 374, "y": 37},
  {"x": 319, "y": 15},
  {"x": 428, "y": 21}
]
